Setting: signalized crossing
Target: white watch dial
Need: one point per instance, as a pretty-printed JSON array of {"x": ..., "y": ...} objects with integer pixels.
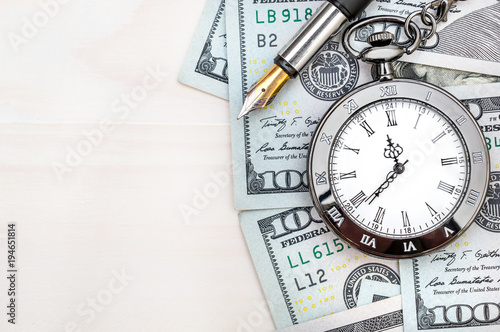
[{"x": 399, "y": 168}]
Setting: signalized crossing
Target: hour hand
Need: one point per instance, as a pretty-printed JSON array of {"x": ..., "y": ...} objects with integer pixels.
[{"x": 393, "y": 151}]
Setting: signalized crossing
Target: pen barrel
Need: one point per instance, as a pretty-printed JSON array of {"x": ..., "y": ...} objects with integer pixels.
[{"x": 310, "y": 38}]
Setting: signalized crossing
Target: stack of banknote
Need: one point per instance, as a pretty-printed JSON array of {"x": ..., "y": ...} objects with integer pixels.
[{"x": 307, "y": 273}]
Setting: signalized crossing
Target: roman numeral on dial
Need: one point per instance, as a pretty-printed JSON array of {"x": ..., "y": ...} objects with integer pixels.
[
  {"x": 368, "y": 241},
  {"x": 449, "y": 161},
  {"x": 389, "y": 90},
  {"x": 356, "y": 151},
  {"x": 416, "y": 123},
  {"x": 367, "y": 127},
  {"x": 461, "y": 120},
  {"x": 321, "y": 178},
  {"x": 438, "y": 137},
  {"x": 327, "y": 139},
  {"x": 447, "y": 188},
  {"x": 391, "y": 118},
  {"x": 477, "y": 158},
  {"x": 406, "y": 220},
  {"x": 336, "y": 216},
  {"x": 358, "y": 199},
  {"x": 448, "y": 232},
  {"x": 431, "y": 210},
  {"x": 379, "y": 217},
  {"x": 351, "y": 106},
  {"x": 409, "y": 246},
  {"x": 350, "y": 175},
  {"x": 473, "y": 197}
]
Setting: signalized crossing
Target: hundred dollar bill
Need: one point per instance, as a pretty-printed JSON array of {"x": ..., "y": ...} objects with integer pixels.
[
  {"x": 376, "y": 317},
  {"x": 458, "y": 287},
  {"x": 372, "y": 291},
  {"x": 304, "y": 269},
  {"x": 205, "y": 66},
  {"x": 469, "y": 40},
  {"x": 273, "y": 143}
]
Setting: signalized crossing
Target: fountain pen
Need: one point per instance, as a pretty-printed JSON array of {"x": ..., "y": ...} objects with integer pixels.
[{"x": 300, "y": 49}]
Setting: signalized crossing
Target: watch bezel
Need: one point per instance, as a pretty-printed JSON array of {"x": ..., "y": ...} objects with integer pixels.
[{"x": 338, "y": 221}]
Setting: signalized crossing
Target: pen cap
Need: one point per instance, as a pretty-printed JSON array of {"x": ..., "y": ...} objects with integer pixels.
[{"x": 350, "y": 8}]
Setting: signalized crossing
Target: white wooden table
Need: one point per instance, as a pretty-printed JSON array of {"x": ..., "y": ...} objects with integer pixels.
[{"x": 97, "y": 185}]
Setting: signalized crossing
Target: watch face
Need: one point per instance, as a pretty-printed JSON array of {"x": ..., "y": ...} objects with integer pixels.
[{"x": 398, "y": 168}]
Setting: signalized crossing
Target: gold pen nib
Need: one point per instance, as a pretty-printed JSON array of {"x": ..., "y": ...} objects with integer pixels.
[{"x": 262, "y": 93}]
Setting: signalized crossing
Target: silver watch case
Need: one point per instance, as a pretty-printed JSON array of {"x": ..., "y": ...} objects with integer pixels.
[{"x": 371, "y": 243}]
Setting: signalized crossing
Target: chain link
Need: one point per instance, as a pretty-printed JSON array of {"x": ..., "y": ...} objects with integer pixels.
[{"x": 428, "y": 20}]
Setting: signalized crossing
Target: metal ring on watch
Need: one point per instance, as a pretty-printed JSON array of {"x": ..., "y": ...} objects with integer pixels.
[{"x": 409, "y": 20}]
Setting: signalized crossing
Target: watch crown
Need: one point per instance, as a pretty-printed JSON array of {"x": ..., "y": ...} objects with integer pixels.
[{"x": 383, "y": 38}]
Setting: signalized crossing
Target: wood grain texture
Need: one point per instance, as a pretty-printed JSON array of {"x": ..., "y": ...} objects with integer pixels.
[{"x": 95, "y": 202}]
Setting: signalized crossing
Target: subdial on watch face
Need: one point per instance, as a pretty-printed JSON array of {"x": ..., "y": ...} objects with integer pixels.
[{"x": 399, "y": 168}]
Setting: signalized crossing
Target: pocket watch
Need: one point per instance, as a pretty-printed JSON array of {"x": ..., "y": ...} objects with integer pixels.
[{"x": 397, "y": 167}]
